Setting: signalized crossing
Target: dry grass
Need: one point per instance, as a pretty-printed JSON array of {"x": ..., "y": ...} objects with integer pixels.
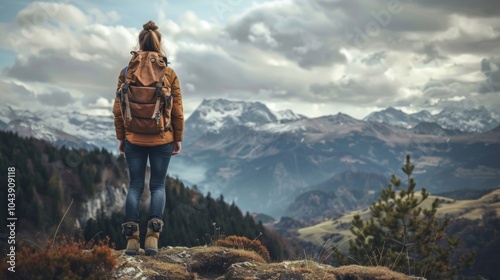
[
  {"x": 243, "y": 243},
  {"x": 65, "y": 259},
  {"x": 169, "y": 270}
]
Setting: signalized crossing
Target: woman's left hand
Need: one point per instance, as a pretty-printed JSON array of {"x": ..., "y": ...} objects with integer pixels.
[{"x": 177, "y": 148}]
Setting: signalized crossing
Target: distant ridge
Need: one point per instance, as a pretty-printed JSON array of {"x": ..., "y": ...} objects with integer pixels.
[
  {"x": 474, "y": 120},
  {"x": 431, "y": 128}
]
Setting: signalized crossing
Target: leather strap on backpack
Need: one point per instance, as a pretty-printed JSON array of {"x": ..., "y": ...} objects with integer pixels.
[
  {"x": 156, "y": 113},
  {"x": 125, "y": 101}
]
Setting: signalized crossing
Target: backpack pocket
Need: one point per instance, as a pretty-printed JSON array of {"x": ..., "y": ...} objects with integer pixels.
[{"x": 142, "y": 103}]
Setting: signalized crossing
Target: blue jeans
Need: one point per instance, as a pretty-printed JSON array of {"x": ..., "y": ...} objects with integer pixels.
[{"x": 159, "y": 158}]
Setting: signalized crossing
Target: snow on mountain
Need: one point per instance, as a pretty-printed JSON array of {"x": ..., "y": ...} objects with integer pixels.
[
  {"x": 79, "y": 130},
  {"x": 285, "y": 116},
  {"x": 62, "y": 128},
  {"x": 467, "y": 120},
  {"x": 215, "y": 114},
  {"x": 471, "y": 120},
  {"x": 96, "y": 130},
  {"x": 393, "y": 117},
  {"x": 323, "y": 124}
]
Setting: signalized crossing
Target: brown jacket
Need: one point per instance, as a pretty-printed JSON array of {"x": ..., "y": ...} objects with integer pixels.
[{"x": 175, "y": 134}]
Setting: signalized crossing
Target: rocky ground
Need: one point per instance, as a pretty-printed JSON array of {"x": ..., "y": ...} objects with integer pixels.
[{"x": 222, "y": 263}]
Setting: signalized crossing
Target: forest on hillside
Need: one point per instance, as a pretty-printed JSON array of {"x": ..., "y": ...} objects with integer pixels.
[{"x": 49, "y": 179}]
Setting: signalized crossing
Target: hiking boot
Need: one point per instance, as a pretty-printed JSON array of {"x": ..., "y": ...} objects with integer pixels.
[
  {"x": 131, "y": 231},
  {"x": 151, "y": 244}
]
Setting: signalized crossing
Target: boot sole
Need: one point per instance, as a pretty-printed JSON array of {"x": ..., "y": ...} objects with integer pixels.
[
  {"x": 150, "y": 252},
  {"x": 131, "y": 252}
]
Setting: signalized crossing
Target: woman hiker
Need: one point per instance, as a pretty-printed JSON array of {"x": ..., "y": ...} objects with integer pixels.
[{"x": 140, "y": 138}]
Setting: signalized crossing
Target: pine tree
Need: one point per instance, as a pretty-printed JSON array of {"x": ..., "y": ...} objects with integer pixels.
[{"x": 404, "y": 234}]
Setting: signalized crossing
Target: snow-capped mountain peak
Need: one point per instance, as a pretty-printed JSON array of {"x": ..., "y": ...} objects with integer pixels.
[
  {"x": 217, "y": 109},
  {"x": 472, "y": 120},
  {"x": 394, "y": 117},
  {"x": 214, "y": 115},
  {"x": 467, "y": 120}
]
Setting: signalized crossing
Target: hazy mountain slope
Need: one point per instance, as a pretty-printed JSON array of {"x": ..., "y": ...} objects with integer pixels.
[{"x": 340, "y": 194}]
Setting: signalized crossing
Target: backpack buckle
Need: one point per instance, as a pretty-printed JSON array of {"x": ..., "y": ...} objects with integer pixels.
[
  {"x": 158, "y": 90},
  {"x": 157, "y": 117}
]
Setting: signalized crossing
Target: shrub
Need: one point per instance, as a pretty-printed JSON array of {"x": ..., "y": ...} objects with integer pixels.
[
  {"x": 243, "y": 243},
  {"x": 67, "y": 259}
]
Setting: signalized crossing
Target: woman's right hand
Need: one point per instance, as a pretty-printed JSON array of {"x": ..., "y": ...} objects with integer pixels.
[{"x": 121, "y": 147}]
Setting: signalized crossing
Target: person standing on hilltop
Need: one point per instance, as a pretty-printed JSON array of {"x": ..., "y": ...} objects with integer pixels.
[{"x": 149, "y": 124}]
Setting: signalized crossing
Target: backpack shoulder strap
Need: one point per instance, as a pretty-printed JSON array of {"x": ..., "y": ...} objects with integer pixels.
[
  {"x": 166, "y": 60},
  {"x": 125, "y": 73}
]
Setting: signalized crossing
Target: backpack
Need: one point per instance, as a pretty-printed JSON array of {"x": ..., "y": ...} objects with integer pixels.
[{"x": 145, "y": 94}]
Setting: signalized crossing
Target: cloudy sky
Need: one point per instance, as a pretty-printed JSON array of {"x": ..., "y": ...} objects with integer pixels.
[{"x": 315, "y": 57}]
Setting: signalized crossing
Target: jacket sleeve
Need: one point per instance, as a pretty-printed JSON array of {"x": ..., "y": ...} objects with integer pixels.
[
  {"x": 117, "y": 112},
  {"x": 177, "y": 109}
]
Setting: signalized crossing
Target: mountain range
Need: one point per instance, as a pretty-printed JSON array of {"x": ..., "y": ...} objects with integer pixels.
[
  {"x": 467, "y": 120},
  {"x": 62, "y": 128},
  {"x": 265, "y": 160},
  {"x": 265, "y": 164}
]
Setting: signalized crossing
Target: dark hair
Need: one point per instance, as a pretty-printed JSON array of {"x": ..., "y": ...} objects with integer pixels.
[{"x": 150, "y": 38}]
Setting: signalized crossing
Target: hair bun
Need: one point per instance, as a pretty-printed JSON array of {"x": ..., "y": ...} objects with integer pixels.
[{"x": 150, "y": 25}]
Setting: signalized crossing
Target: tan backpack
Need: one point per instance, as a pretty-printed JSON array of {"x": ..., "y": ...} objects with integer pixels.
[{"x": 145, "y": 94}]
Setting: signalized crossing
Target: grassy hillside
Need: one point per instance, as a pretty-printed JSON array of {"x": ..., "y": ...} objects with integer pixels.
[{"x": 338, "y": 231}]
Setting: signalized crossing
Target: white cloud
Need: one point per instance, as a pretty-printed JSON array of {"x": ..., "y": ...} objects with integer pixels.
[
  {"x": 190, "y": 87},
  {"x": 295, "y": 53},
  {"x": 259, "y": 32},
  {"x": 103, "y": 103},
  {"x": 57, "y": 98},
  {"x": 40, "y": 13},
  {"x": 103, "y": 17}
]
